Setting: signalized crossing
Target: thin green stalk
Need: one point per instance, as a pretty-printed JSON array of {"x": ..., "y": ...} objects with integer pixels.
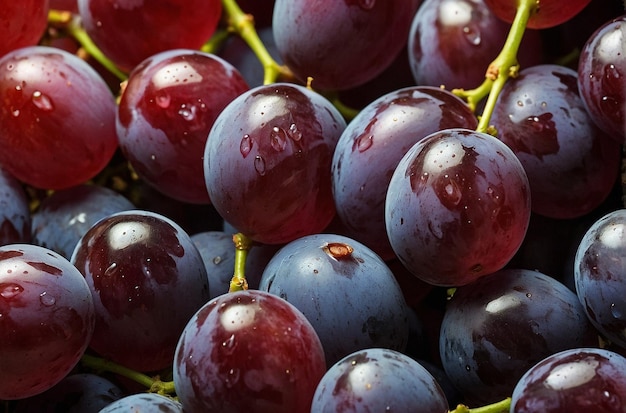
[
  {"x": 498, "y": 407},
  {"x": 153, "y": 384},
  {"x": 242, "y": 247},
  {"x": 243, "y": 24}
]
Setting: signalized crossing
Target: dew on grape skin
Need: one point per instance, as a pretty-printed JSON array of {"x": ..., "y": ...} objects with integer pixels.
[
  {"x": 246, "y": 145},
  {"x": 259, "y": 165},
  {"x": 10, "y": 290}
]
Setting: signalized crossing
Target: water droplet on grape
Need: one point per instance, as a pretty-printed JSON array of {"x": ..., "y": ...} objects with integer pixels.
[
  {"x": 472, "y": 35},
  {"x": 46, "y": 299},
  {"x": 616, "y": 312},
  {"x": 259, "y": 165},
  {"x": 231, "y": 378},
  {"x": 108, "y": 272},
  {"x": 229, "y": 345},
  {"x": 278, "y": 139},
  {"x": 364, "y": 142},
  {"x": 10, "y": 66},
  {"x": 187, "y": 112},
  {"x": 163, "y": 101},
  {"x": 467, "y": 367},
  {"x": 367, "y": 4},
  {"x": 10, "y": 290},
  {"x": 15, "y": 113},
  {"x": 42, "y": 101},
  {"x": 294, "y": 133},
  {"x": 217, "y": 260},
  {"x": 245, "y": 146}
]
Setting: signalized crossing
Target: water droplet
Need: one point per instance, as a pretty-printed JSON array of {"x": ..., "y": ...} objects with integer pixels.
[
  {"x": 367, "y": 4},
  {"x": 229, "y": 345},
  {"x": 46, "y": 299},
  {"x": 616, "y": 312},
  {"x": 42, "y": 101},
  {"x": 187, "y": 112},
  {"x": 529, "y": 295},
  {"x": 10, "y": 290},
  {"x": 10, "y": 66},
  {"x": 18, "y": 88},
  {"x": 15, "y": 113},
  {"x": 364, "y": 142},
  {"x": 472, "y": 35},
  {"x": 278, "y": 139},
  {"x": 467, "y": 367},
  {"x": 217, "y": 260},
  {"x": 259, "y": 165},
  {"x": 231, "y": 378},
  {"x": 163, "y": 101},
  {"x": 245, "y": 146},
  {"x": 110, "y": 270},
  {"x": 294, "y": 133},
  {"x": 452, "y": 192}
]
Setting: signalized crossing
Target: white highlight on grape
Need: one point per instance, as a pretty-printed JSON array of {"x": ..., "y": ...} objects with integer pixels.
[
  {"x": 505, "y": 302},
  {"x": 238, "y": 316},
  {"x": 175, "y": 74},
  {"x": 443, "y": 155},
  {"x": 612, "y": 236},
  {"x": 572, "y": 374},
  {"x": 455, "y": 13},
  {"x": 611, "y": 41},
  {"x": 127, "y": 233}
]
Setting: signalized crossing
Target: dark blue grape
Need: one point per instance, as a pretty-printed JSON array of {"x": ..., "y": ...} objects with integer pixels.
[
  {"x": 497, "y": 327},
  {"x": 347, "y": 292},
  {"x": 15, "y": 217},
  {"x": 600, "y": 275},
  {"x": 378, "y": 380},
  {"x": 144, "y": 403},
  {"x": 66, "y": 215}
]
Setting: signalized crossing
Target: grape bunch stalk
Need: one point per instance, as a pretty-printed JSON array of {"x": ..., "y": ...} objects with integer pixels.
[{"x": 313, "y": 206}]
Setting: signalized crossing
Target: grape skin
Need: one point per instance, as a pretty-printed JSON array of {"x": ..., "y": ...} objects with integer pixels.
[
  {"x": 144, "y": 403},
  {"x": 165, "y": 114},
  {"x": 571, "y": 164},
  {"x": 577, "y": 380},
  {"x": 551, "y": 13},
  {"x": 147, "y": 278},
  {"x": 15, "y": 218},
  {"x": 457, "y": 207},
  {"x": 378, "y": 380},
  {"x": 371, "y": 146},
  {"x": 248, "y": 351},
  {"x": 22, "y": 23},
  {"x": 352, "y": 300},
  {"x": 47, "y": 319}
]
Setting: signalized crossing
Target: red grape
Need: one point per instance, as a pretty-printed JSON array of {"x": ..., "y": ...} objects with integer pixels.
[
  {"x": 165, "y": 114},
  {"x": 267, "y": 162},
  {"x": 248, "y": 351},
  {"x": 457, "y": 207},
  {"x": 57, "y": 116},
  {"x": 22, "y": 23},
  {"x": 46, "y": 319},
  {"x": 549, "y": 13},
  {"x": 129, "y": 32}
]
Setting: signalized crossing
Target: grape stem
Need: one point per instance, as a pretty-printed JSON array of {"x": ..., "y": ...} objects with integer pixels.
[
  {"x": 243, "y": 24},
  {"x": 498, "y": 407},
  {"x": 155, "y": 385},
  {"x": 242, "y": 247},
  {"x": 503, "y": 67}
]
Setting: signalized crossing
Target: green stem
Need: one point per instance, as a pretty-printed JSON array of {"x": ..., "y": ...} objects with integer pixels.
[
  {"x": 242, "y": 247},
  {"x": 243, "y": 25},
  {"x": 498, "y": 407},
  {"x": 154, "y": 385},
  {"x": 504, "y": 66},
  {"x": 216, "y": 41}
]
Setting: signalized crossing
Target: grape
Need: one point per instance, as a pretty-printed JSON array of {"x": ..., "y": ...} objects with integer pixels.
[
  {"x": 601, "y": 74},
  {"x": 600, "y": 275},
  {"x": 452, "y": 42},
  {"x": 379, "y": 380},
  {"x": 499, "y": 326},
  {"x": 576, "y": 380},
  {"x": 144, "y": 403},
  {"x": 46, "y": 319},
  {"x": 344, "y": 289},
  {"x": 147, "y": 279},
  {"x": 267, "y": 162},
  {"x": 129, "y": 32},
  {"x": 69, "y": 5},
  {"x": 371, "y": 146},
  {"x": 311, "y": 38},
  {"x": 22, "y": 23},
  {"x": 571, "y": 164},
  {"x": 57, "y": 116},
  {"x": 248, "y": 351},
  {"x": 66, "y": 215},
  {"x": 457, "y": 207},
  {"x": 549, "y": 13},
  {"x": 165, "y": 114},
  {"x": 15, "y": 218},
  {"x": 76, "y": 393}
]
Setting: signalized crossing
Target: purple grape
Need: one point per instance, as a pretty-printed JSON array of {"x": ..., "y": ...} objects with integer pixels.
[
  {"x": 371, "y": 147},
  {"x": 66, "y": 215},
  {"x": 600, "y": 275},
  {"x": 601, "y": 77},
  {"x": 499, "y": 326},
  {"x": 46, "y": 319},
  {"x": 457, "y": 207},
  {"x": 15, "y": 217},
  {"x": 311, "y": 38},
  {"x": 267, "y": 162},
  {"x": 582, "y": 380},
  {"x": 378, "y": 380},
  {"x": 345, "y": 290},
  {"x": 248, "y": 351},
  {"x": 144, "y": 403},
  {"x": 571, "y": 164},
  {"x": 76, "y": 393},
  {"x": 147, "y": 279},
  {"x": 165, "y": 114}
]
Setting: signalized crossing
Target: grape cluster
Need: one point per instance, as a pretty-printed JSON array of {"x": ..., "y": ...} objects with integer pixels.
[{"x": 313, "y": 206}]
